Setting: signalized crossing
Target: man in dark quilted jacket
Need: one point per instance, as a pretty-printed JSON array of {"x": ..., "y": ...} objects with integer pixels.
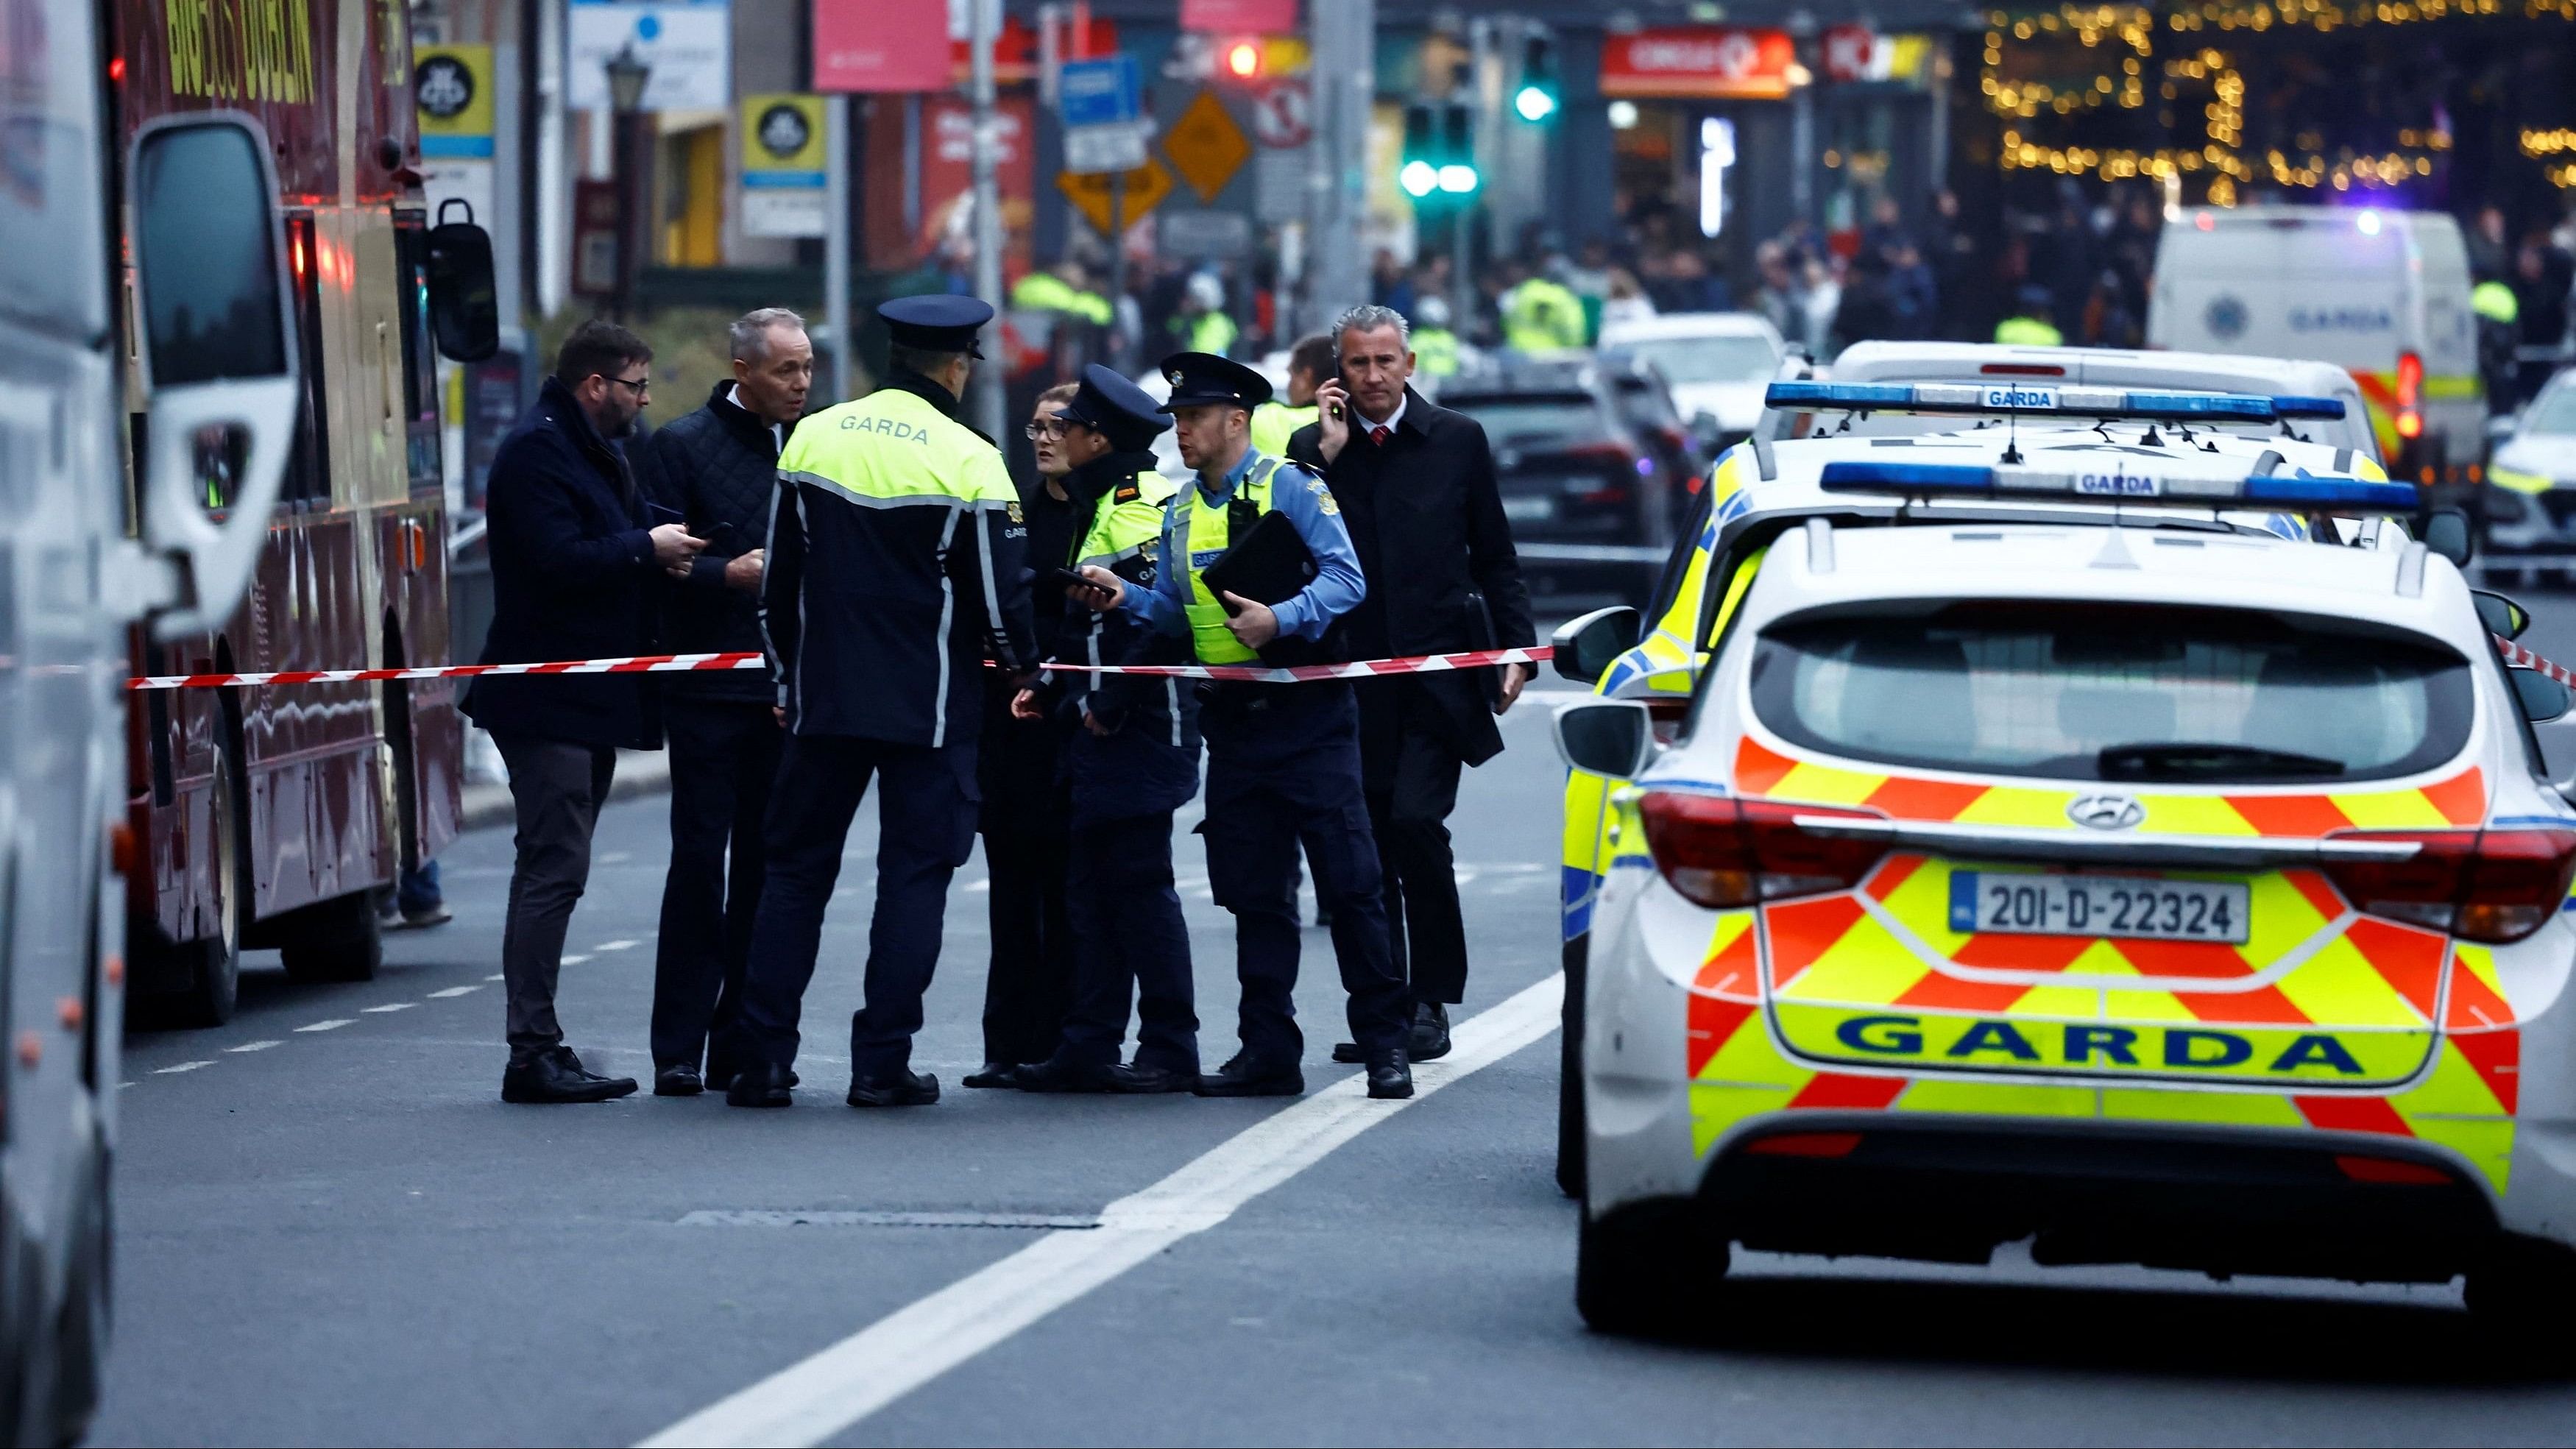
[{"x": 717, "y": 468}]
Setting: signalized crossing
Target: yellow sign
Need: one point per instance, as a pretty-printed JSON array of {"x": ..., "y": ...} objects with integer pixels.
[
  {"x": 1206, "y": 146},
  {"x": 1147, "y": 185},
  {"x": 783, "y": 133},
  {"x": 452, "y": 90}
]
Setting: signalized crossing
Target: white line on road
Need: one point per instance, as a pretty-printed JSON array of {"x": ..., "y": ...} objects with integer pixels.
[
  {"x": 390, "y": 1006},
  {"x": 454, "y": 991},
  {"x": 496, "y": 976},
  {"x": 613, "y": 946},
  {"x": 334, "y": 1024},
  {"x": 182, "y": 1067},
  {"x": 817, "y": 1399},
  {"x": 572, "y": 960},
  {"x": 256, "y": 1046}
]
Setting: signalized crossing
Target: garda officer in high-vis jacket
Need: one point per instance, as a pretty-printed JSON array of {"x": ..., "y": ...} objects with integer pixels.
[
  {"x": 1133, "y": 758},
  {"x": 1283, "y": 759},
  {"x": 895, "y": 561}
]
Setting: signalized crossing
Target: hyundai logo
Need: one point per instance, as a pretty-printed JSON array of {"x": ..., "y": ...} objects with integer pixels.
[{"x": 2106, "y": 812}]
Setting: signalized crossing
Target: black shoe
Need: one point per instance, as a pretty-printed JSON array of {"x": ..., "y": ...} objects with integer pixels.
[
  {"x": 905, "y": 1088},
  {"x": 679, "y": 1081},
  {"x": 559, "y": 1076},
  {"x": 991, "y": 1074},
  {"x": 1244, "y": 1077},
  {"x": 1055, "y": 1074},
  {"x": 1388, "y": 1075},
  {"x": 1348, "y": 1053},
  {"x": 1140, "y": 1080},
  {"x": 1430, "y": 1033},
  {"x": 762, "y": 1084}
]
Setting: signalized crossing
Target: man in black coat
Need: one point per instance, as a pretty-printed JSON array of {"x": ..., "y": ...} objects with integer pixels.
[
  {"x": 574, "y": 564},
  {"x": 1415, "y": 484},
  {"x": 717, "y": 470}
]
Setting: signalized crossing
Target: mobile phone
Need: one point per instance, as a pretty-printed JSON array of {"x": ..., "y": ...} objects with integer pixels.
[{"x": 1064, "y": 578}]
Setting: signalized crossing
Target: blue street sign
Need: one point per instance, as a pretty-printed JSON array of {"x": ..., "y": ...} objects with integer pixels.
[{"x": 1099, "y": 92}]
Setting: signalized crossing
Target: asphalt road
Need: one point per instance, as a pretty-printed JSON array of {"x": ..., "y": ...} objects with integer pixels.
[{"x": 332, "y": 1231}]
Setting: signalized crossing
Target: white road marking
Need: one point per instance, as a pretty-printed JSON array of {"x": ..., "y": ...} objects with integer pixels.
[
  {"x": 182, "y": 1067},
  {"x": 820, "y": 1398},
  {"x": 769, "y": 1218},
  {"x": 572, "y": 960},
  {"x": 454, "y": 991},
  {"x": 617, "y": 857},
  {"x": 389, "y": 1006},
  {"x": 334, "y": 1024},
  {"x": 255, "y": 1046},
  {"x": 613, "y": 946},
  {"x": 496, "y": 976}
]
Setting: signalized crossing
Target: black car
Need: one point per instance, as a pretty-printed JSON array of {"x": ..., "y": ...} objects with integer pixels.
[{"x": 1594, "y": 491}]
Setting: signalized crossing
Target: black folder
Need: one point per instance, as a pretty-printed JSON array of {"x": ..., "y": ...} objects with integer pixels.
[{"x": 1268, "y": 565}]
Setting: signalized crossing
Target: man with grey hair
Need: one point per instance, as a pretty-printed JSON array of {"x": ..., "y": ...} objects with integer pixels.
[
  {"x": 717, "y": 469},
  {"x": 1415, "y": 485}
]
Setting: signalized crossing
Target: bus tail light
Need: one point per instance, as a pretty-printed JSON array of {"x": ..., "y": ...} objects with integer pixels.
[
  {"x": 2495, "y": 886},
  {"x": 1719, "y": 851},
  {"x": 2410, "y": 395}
]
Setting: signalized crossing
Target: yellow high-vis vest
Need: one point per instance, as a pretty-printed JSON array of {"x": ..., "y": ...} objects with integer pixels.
[{"x": 1209, "y": 533}]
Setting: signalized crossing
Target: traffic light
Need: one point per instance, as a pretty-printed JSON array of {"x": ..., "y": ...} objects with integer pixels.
[
  {"x": 1439, "y": 151},
  {"x": 1243, "y": 59},
  {"x": 1537, "y": 99}
]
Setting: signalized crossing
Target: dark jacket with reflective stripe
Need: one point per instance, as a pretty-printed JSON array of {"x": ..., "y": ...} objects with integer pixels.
[{"x": 896, "y": 560}]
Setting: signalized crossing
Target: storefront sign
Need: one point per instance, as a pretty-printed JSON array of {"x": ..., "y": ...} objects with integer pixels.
[
  {"x": 1858, "y": 53},
  {"x": 688, "y": 43},
  {"x": 860, "y": 45},
  {"x": 1239, "y": 17},
  {"x": 783, "y": 145},
  {"x": 1709, "y": 62}
]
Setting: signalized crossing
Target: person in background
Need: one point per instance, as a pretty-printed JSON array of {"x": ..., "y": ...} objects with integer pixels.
[
  {"x": 1435, "y": 347},
  {"x": 1389, "y": 286},
  {"x": 1201, "y": 324},
  {"x": 1542, "y": 315},
  {"x": 1026, "y": 815},
  {"x": 2030, "y": 326},
  {"x": 897, "y": 555},
  {"x": 1130, "y": 761},
  {"x": 717, "y": 469},
  {"x": 1310, "y": 362},
  {"x": 1626, "y": 302},
  {"x": 414, "y": 901},
  {"x": 574, "y": 560}
]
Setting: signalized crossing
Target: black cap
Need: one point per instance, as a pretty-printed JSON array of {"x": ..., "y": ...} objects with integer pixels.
[
  {"x": 1198, "y": 378},
  {"x": 1123, "y": 412},
  {"x": 936, "y": 323}
]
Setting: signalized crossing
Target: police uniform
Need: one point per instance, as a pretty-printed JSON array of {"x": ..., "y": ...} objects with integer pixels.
[
  {"x": 1128, "y": 769},
  {"x": 895, "y": 554},
  {"x": 1283, "y": 760},
  {"x": 1275, "y": 422}
]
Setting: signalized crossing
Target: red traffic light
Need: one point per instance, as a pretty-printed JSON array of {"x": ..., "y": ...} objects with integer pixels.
[{"x": 1243, "y": 59}]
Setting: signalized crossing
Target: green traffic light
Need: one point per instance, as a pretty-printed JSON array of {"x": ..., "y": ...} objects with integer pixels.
[
  {"x": 1534, "y": 103},
  {"x": 1418, "y": 178}
]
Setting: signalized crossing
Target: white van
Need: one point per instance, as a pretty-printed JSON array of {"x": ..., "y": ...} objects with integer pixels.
[{"x": 2383, "y": 294}]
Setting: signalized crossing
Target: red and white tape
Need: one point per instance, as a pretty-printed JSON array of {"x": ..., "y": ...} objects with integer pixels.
[
  {"x": 2521, "y": 658},
  {"x": 687, "y": 663}
]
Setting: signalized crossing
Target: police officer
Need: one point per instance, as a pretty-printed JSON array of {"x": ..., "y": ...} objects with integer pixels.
[
  {"x": 1310, "y": 366},
  {"x": 1133, "y": 758},
  {"x": 1283, "y": 759},
  {"x": 895, "y": 553}
]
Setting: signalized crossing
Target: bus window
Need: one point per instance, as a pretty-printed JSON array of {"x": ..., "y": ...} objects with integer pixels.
[{"x": 308, "y": 473}]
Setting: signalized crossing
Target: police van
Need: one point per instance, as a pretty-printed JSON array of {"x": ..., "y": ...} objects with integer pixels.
[
  {"x": 2053, "y": 849},
  {"x": 2383, "y": 294}
]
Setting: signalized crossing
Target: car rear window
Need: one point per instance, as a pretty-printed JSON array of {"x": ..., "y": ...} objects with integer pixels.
[
  {"x": 1533, "y": 420},
  {"x": 2553, "y": 412},
  {"x": 2087, "y": 691}
]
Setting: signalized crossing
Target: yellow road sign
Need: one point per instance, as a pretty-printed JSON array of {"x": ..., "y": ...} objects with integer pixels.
[
  {"x": 1206, "y": 146},
  {"x": 1147, "y": 185}
]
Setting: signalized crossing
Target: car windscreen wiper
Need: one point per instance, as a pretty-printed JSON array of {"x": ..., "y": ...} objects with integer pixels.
[{"x": 2189, "y": 760}]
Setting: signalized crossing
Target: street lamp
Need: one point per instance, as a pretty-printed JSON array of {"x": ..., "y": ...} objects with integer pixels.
[{"x": 627, "y": 75}]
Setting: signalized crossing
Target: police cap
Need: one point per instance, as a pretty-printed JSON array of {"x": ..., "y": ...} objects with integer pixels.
[
  {"x": 936, "y": 323},
  {"x": 1123, "y": 412},
  {"x": 1198, "y": 378}
]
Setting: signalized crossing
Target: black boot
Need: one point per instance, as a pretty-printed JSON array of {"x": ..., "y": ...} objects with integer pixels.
[
  {"x": 761, "y": 1084},
  {"x": 677, "y": 1080},
  {"x": 1056, "y": 1074},
  {"x": 1244, "y": 1077},
  {"x": 903, "y": 1087},
  {"x": 1430, "y": 1032},
  {"x": 1388, "y": 1074},
  {"x": 556, "y": 1075},
  {"x": 992, "y": 1074},
  {"x": 1144, "y": 1078}
]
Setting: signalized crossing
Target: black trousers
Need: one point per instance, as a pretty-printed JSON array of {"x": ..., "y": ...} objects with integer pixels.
[
  {"x": 1028, "y": 986},
  {"x": 1284, "y": 769},
  {"x": 557, "y": 789},
  {"x": 926, "y": 829},
  {"x": 1130, "y": 945},
  {"x": 724, "y": 755},
  {"x": 1412, "y": 777}
]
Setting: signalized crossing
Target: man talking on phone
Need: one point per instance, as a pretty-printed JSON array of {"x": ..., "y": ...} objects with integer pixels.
[{"x": 1444, "y": 578}]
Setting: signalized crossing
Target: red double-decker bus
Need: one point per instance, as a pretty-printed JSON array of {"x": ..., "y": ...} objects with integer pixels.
[{"x": 271, "y": 816}]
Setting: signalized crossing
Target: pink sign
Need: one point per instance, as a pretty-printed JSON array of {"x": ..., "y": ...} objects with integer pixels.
[
  {"x": 1240, "y": 17},
  {"x": 860, "y": 45}
]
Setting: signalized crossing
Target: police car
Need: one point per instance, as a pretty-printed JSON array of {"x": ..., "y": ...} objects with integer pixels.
[{"x": 2144, "y": 881}]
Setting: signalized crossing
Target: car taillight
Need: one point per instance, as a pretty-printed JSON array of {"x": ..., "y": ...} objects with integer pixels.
[
  {"x": 2410, "y": 393},
  {"x": 2494, "y": 885},
  {"x": 1719, "y": 851},
  {"x": 2022, "y": 369}
]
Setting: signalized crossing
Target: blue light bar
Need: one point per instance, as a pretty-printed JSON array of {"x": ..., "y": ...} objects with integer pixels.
[
  {"x": 2121, "y": 484},
  {"x": 2016, "y": 397}
]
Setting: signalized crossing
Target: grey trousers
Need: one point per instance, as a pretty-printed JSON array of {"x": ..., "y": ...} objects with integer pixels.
[{"x": 558, "y": 789}]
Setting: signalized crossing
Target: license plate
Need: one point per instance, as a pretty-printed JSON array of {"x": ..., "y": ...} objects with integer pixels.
[
  {"x": 2099, "y": 905},
  {"x": 1529, "y": 510}
]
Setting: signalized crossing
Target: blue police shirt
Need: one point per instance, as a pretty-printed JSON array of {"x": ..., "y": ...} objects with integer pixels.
[{"x": 1301, "y": 497}]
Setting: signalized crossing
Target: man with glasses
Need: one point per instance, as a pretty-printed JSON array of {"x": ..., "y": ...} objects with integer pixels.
[{"x": 575, "y": 560}]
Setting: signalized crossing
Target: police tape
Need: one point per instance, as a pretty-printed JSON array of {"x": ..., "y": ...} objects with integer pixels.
[
  {"x": 690, "y": 663},
  {"x": 2521, "y": 658}
]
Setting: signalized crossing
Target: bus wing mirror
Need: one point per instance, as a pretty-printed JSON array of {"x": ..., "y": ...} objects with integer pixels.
[
  {"x": 218, "y": 357},
  {"x": 464, "y": 302}
]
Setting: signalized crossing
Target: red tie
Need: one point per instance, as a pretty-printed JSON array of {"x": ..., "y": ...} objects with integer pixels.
[{"x": 1377, "y": 435}]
